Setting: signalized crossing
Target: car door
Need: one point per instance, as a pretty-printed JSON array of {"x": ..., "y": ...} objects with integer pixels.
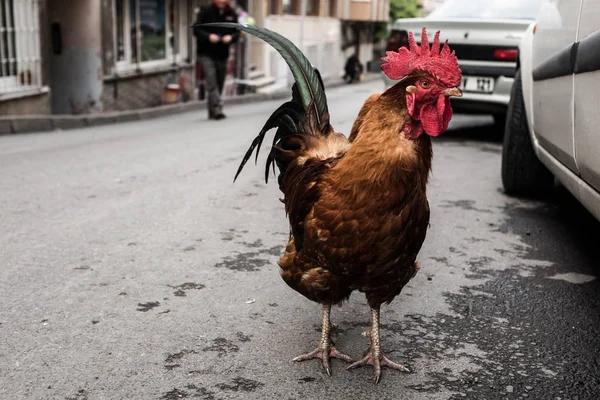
[
  {"x": 556, "y": 32},
  {"x": 587, "y": 94}
]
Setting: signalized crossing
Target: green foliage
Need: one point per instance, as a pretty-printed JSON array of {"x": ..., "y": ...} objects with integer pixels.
[
  {"x": 404, "y": 9},
  {"x": 381, "y": 31},
  {"x": 398, "y": 9}
]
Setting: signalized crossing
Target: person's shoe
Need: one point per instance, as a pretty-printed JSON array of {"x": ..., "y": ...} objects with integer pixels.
[{"x": 220, "y": 115}]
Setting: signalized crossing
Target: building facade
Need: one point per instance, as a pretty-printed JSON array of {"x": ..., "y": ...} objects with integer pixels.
[
  {"x": 91, "y": 56},
  {"x": 88, "y": 56},
  {"x": 146, "y": 45},
  {"x": 360, "y": 21},
  {"x": 327, "y": 32},
  {"x": 24, "y": 87}
]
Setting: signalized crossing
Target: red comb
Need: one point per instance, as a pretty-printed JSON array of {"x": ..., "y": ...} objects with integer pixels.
[{"x": 441, "y": 64}]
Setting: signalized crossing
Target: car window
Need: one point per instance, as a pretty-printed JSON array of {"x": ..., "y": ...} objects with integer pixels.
[{"x": 503, "y": 9}]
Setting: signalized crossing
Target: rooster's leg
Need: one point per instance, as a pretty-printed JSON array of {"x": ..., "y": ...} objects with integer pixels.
[
  {"x": 374, "y": 355},
  {"x": 325, "y": 350}
]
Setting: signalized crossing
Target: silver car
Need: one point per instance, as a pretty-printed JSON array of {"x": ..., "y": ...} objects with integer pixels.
[
  {"x": 553, "y": 127},
  {"x": 485, "y": 35}
]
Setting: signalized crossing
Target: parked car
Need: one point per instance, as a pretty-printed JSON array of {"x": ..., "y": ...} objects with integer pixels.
[
  {"x": 553, "y": 124},
  {"x": 485, "y": 35}
]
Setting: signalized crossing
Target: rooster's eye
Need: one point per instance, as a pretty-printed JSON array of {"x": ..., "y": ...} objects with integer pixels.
[{"x": 425, "y": 84}]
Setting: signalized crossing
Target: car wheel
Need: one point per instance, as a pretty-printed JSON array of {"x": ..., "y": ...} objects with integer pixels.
[
  {"x": 500, "y": 120},
  {"x": 522, "y": 172},
  {"x": 497, "y": 131}
]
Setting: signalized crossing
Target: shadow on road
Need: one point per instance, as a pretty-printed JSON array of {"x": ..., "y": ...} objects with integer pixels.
[
  {"x": 568, "y": 219},
  {"x": 480, "y": 128},
  {"x": 571, "y": 227}
]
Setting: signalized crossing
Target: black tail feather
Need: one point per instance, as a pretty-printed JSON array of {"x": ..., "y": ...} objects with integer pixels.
[
  {"x": 287, "y": 118},
  {"x": 306, "y": 113}
]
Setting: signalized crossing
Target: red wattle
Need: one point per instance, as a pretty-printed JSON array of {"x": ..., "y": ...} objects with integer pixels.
[
  {"x": 410, "y": 104},
  {"x": 435, "y": 119}
]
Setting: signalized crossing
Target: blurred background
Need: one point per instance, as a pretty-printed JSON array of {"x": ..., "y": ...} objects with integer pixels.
[
  {"x": 93, "y": 56},
  {"x": 131, "y": 266}
]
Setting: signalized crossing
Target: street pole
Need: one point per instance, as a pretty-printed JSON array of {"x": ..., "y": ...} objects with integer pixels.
[
  {"x": 302, "y": 15},
  {"x": 249, "y": 42}
]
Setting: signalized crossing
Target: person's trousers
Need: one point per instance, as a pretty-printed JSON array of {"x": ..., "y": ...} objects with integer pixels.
[{"x": 214, "y": 80}]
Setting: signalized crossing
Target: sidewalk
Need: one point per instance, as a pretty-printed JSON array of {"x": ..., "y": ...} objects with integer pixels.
[{"x": 47, "y": 123}]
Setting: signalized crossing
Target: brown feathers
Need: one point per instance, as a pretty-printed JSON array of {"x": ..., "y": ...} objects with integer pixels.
[{"x": 357, "y": 208}]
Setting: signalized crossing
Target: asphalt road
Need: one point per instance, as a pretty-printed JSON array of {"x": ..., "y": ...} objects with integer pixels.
[{"x": 131, "y": 267}]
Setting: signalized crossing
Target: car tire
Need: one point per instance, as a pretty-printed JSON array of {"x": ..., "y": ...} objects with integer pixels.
[
  {"x": 500, "y": 120},
  {"x": 522, "y": 172}
]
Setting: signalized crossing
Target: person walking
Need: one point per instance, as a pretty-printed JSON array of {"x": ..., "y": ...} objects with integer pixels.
[{"x": 213, "y": 50}]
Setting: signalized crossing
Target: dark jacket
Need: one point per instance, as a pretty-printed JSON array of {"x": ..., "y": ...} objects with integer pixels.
[{"x": 210, "y": 13}]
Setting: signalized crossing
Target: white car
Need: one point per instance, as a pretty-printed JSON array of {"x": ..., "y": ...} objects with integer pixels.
[
  {"x": 485, "y": 36},
  {"x": 553, "y": 125}
]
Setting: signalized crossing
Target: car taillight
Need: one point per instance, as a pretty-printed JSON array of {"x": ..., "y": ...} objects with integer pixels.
[{"x": 506, "y": 54}]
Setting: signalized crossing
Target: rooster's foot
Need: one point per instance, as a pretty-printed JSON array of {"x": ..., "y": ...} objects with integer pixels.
[
  {"x": 324, "y": 352},
  {"x": 377, "y": 360},
  {"x": 373, "y": 355},
  {"x": 326, "y": 349}
]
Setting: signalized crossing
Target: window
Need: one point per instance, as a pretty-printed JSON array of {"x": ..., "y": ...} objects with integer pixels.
[
  {"x": 120, "y": 37},
  {"x": 145, "y": 31},
  {"x": 333, "y": 8},
  {"x": 287, "y": 7},
  {"x": 274, "y": 7},
  {"x": 294, "y": 7},
  {"x": 153, "y": 27},
  {"x": 20, "y": 62},
  {"x": 312, "y": 7}
]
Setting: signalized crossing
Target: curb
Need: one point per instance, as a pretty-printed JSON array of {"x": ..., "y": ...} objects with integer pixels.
[{"x": 48, "y": 123}]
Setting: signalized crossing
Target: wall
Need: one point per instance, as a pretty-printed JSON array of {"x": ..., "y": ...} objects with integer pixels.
[
  {"x": 365, "y": 10},
  {"x": 36, "y": 101},
  {"x": 360, "y": 11},
  {"x": 76, "y": 70},
  {"x": 27, "y": 105},
  {"x": 139, "y": 91},
  {"x": 131, "y": 88},
  {"x": 322, "y": 43}
]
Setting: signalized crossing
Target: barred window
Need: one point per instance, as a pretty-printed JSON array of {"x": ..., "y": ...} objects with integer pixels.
[
  {"x": 333, "y": 8},
  {"x": 20, "y": 56},
  {"x": 274, "y": 7},
  {"x": 312, "y": 7},
  {"x": 288, "y": 6},
  {"x": 145, "y": 31}
]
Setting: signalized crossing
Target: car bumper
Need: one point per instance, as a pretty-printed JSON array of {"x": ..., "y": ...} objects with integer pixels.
[
  {"x": 480, "y": 103},
  {"x": 483, "y": 103}
]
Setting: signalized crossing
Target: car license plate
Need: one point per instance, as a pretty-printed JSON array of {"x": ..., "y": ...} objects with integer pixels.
[{"x": 478, "y": 84}]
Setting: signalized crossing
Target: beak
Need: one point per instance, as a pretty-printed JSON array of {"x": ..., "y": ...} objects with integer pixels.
[{"x": 453, "y": 92}]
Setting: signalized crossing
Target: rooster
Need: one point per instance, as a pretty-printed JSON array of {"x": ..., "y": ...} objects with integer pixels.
[{"x": 357, "y": 205}]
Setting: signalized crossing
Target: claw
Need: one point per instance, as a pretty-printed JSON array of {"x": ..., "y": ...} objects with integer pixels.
[
  {"x": 324, "y": 352},
  {"x": 377, "y": 363},
  {"x": 373, "y": 355},
  {"x": 337, "y": 354},
  {"x": 326, "y": 348}
]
